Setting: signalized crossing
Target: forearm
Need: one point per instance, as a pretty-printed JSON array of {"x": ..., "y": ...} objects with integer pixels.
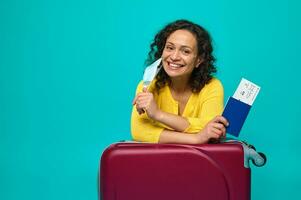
[
  {"x": 178, "y": 123},
  {"x": 179, "y": 137}
]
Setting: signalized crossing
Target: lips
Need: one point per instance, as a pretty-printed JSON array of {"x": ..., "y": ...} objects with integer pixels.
[{"x": 174, "y": 65}]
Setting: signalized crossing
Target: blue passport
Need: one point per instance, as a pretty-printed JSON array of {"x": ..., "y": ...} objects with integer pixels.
[{"x": 236, "y": 113}]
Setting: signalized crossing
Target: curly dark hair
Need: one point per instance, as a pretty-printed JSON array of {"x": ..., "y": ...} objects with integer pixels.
[{"x": 201, "y": 75}]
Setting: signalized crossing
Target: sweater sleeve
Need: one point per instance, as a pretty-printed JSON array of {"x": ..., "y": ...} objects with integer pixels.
[
  {"x": 143, "y": 129},
  {"x": 211, "y": 105}
]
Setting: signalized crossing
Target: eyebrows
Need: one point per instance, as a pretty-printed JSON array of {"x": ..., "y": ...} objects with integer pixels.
[{"x": 181, "y": 46}]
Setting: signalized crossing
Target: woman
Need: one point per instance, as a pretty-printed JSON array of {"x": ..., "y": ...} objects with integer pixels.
[{"x": 183, "y": 103}]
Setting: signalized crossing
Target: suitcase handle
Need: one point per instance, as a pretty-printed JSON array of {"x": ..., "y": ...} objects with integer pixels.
[{"x": 258, "y": 158}]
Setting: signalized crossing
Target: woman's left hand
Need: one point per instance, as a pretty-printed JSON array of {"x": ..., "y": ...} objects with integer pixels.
[{"x": 145, "y": 102}]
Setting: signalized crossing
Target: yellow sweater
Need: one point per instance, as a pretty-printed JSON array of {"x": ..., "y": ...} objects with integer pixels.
[{"x": 200, "y": 108}]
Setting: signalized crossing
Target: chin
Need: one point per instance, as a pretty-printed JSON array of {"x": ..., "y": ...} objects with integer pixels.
[{"x": 173, "y": 74}]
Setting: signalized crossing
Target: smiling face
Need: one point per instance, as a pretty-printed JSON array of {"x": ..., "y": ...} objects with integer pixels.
[{"x": 180, "y": 54}]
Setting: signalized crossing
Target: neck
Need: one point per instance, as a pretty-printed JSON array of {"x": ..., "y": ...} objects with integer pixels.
[{"x": 179, "y": 85}]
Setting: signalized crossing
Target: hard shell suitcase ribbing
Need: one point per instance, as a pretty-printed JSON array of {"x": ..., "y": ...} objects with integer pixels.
[{"x": 142, "y": 171}]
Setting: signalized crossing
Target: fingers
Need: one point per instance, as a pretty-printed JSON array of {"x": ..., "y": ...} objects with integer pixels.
[
  {"x": 221, "y": 119},
  {"x": 134, "y": 101},
  {"x": 216, "y": 128},
  {"x": 144, "y": 94},
  {"x": 220, "y": 131},
  {"x": 216, "y": 133},
  {"x": 142, "y": 101},
  {"x": 140, "y": 111},
  {"x": 144, "y": 89},
  {"x": 220, "y": 128},
  {"x": 141, "y": 94},
  {"x": 142, "y": 97},
  {"x": 142, "y": 105},
  {"x": 140, "y": 108}
]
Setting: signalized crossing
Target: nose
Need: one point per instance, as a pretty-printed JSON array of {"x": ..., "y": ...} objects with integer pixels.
[{"x": 175, "y": 55}]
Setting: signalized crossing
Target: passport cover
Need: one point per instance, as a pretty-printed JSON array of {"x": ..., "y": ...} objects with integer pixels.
[{"x": 236, "y": 113}]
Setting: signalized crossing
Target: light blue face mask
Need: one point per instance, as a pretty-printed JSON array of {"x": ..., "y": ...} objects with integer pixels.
[{"x": 150, "y": 72}]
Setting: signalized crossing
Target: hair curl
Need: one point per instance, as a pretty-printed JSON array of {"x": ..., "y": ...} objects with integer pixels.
[{"x": 201, "y": 75}]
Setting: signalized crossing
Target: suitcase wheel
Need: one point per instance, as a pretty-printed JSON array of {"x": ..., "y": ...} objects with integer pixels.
[{"x": 259, "y": 163}]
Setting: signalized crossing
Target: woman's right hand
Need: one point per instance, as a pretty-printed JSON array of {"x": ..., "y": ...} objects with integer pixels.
[
  {"x": 145, "y": 102},
  {"x": 214, "y": 129}
]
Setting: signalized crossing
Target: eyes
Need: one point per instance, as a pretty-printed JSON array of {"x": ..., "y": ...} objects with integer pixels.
[{"x": 184, "y": 50}]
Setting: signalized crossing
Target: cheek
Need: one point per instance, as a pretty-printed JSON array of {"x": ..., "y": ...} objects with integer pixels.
[
  {"x": 165, "y": 54},
  {"x": 189, "y": 60},
  {"x": 194, "y": 60}
]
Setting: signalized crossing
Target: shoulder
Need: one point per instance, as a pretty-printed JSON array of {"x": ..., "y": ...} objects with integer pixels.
[
  {"x": 213, "y": 86},
  {"x": 214, "y": 83}
]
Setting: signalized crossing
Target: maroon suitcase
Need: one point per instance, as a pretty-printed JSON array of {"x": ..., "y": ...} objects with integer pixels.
[{"x": 142, "y": 171}]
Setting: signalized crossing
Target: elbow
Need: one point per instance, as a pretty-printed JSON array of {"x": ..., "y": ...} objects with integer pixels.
[
  {"x": 137, "y": 135},
  {"x": 142, "y": 136}
]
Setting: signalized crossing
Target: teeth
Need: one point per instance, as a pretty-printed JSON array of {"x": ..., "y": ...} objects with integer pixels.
[{"x": 175, "y": 65}]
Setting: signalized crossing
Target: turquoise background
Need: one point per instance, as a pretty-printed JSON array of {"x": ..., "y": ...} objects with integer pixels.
[{"x": 69, "y": 69}]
